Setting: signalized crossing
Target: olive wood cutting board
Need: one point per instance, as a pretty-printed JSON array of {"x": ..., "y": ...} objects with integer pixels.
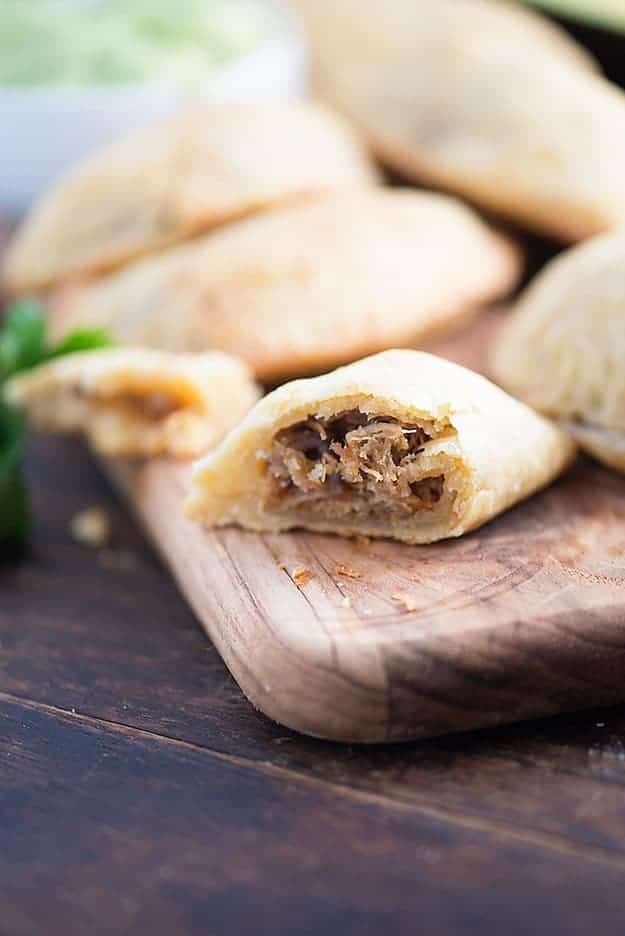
[{"x": 377, "y": 641}]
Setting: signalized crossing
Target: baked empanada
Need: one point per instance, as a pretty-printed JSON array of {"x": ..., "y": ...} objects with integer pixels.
[
  {"x": 169, "y": 182},
  {"x": 305, "y": 288},
  {"x": 563, "y": 350},
  {"x": 482, "y": 98},
  {"x": 138, "y": 403},
  {"x": 402, "y": 444}
]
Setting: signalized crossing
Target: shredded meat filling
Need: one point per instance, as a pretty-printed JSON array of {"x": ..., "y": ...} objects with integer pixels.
[
  {"x": 150, "y": 406},
  {"x": 352, "y": 462}
]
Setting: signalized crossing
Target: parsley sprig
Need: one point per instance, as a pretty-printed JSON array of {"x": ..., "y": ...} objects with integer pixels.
[{"x": 23, "y": 345}]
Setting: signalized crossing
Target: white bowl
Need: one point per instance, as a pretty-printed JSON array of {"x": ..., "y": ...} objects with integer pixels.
[{"x": 47, "y": 130}]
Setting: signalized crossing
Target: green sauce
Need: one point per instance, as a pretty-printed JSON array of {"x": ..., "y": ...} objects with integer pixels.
[{"x": 106, "y": 42}]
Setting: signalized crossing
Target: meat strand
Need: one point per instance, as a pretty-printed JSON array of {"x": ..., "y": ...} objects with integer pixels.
[{"x": 359, "y": 462}]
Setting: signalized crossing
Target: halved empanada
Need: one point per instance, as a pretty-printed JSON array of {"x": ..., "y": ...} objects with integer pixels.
[
  {"x": 166, "y": 183},
  {"x": 563, "y": 351},
  {"x": 482, "y": 98},
  {"x": 402, "y": 445},
  {"x": 301, "y": 289},
  {"x": 138, "y": 403}
]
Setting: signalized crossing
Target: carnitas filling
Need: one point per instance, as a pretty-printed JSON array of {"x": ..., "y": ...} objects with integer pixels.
[
  {"x": 148, "y": 406},
  {"x": 353, "y": 465},
  {"x": 73, "y": 408}
]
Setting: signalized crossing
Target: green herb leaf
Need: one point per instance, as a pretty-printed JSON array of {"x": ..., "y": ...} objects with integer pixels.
[
  {"x": 22, "y": 339},
  {"x": 81, "y": 340},
  {"x": 14, "y": 510},
  {"x": 22, "y": 346}
]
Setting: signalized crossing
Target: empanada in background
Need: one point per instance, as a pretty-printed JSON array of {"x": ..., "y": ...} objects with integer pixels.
[
  {"x": 563, "y": 350},
  {"x": 305, "y": 288},
  {"x": 402, "y": 444},
  {"x": 138, "y": 403},
  {"x": 482, "y": 98},
  {"x": 176, "y": 179}
]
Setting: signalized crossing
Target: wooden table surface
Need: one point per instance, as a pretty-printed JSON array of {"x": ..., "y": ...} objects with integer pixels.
[{"x": 140, "y": 792}]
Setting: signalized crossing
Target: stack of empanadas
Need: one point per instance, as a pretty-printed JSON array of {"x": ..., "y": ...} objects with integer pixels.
[
  {"x": 260, "y": 231},
  {"x": 177, "y": 179}
]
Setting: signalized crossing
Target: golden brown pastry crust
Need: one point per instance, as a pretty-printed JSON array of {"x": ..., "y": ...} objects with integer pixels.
[
  {"x": 482, "y": 98},
  {"x": 492, "y": 450},
  {"x": 563, "y": 350},
  {"x": 138, "y": 403},
  {"x": 169, "y": 182},
  {"x": 301, "y": 289}
]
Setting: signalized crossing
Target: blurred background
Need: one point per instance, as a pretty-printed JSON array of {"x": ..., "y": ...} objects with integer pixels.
[{"x": 76, "y": 74}]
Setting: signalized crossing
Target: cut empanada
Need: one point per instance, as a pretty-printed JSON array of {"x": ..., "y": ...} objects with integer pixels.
[
  {"x": 482, "y": 98},
  {"x": 563, "y": 350},
  {"x": 137, "y": 403},
  {"x": 303, "y": 289},
  {"x": 169, "y": 182},
  {"x": 403, "y": 445}
]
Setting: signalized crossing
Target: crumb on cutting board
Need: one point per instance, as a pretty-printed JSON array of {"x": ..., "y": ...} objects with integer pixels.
[
  {"x": 342, "y": 569},
  {"x": 91, "y": 527},
  {"x": 407, "y": 601},
  {"x": 301, "y": 576}
]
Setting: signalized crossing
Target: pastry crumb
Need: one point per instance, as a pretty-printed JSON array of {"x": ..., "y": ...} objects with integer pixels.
[
  {"x": 407, "y": 601},
  {"x": 345, "y": 570},
  {"x": 302, "y": 576},
  {"x": 280, "y": 566},
  {"x": 91, "y": 527}
]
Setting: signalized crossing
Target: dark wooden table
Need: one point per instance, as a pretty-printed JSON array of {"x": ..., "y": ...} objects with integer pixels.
[{"x": 139, "y": 791}]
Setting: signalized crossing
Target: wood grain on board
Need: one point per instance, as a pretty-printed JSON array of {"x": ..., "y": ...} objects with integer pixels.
[{"x": 525, "y": 617}]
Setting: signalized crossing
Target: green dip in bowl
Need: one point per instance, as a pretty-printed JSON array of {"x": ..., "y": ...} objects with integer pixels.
[{"x": 110, "y": 42}]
